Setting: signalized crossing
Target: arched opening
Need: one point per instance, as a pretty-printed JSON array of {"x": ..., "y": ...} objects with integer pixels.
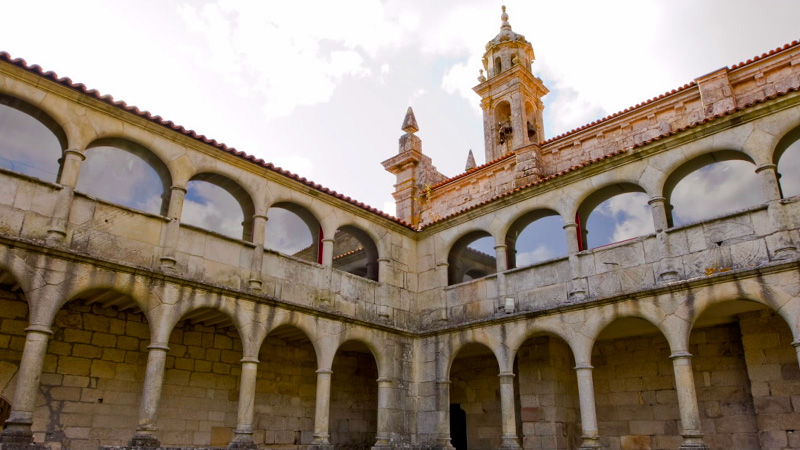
[
  {"x": 216, "y": 203},
  {"x": 710, "y": 186},
  {"x": 31, "y": 142},
  {"x": 285, "y": 389},
  {"x": 547, "y": 403},
  {"x": 201, "y": 380},
  {"x": 13, "y": 321},
  {"x": 637, "y": 404},
  {"x": 614, "y": 213},
  {"x": 355, "y": 252},
  {"x": 354, "y": 397},
  {"x": 471, "y": 257},
  {"x": 747, "y": 375},
  {"x": 293, "y": 230},
  {"x": 91, "y": 382},
  {"x": 125, "y": 173},
  {"x": 504, "y": 129},
  {"x": 498, "y": 66},
  {"x": 535, "y": 237},
  {"x": 475, "y": 399},
  {"x": 530, "y": 123},
  {"x": 787, "y": 158}
]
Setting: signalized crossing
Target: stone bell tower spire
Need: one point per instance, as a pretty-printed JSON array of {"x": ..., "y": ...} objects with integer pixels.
[{"x": 510, "y": 94}]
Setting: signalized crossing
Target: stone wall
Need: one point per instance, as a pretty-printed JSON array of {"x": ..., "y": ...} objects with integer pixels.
[{"x": 476, "y": 387}]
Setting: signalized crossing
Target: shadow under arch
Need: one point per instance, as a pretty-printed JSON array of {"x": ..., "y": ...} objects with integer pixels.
[
  {"x": 355, "y": 252},
  {"x": 589, "y": 204},
  {"x": 354, "y": 395},
  {"x": 679, "y": 172},
  {"x": 786, "y": 156},
  {"x": 242, "y": 196},
  {"x": 116, "y": 169},
  {"x": 282, "y": 234},
  {"x": 12, "y": 280},
  {"x": 517, "y": 230},
  {"x": 468, "y": 263},
  {"x": 31, "y": 141}
]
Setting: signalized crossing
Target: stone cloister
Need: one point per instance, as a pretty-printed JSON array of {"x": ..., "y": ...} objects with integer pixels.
[{"x": 127, "y": 324}]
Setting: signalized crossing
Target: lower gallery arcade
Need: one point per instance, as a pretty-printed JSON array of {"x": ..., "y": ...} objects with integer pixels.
[{"x": 310, "y": 383}]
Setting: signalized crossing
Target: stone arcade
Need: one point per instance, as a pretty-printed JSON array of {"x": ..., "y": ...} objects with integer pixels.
[{"x": 127, "y": 326}]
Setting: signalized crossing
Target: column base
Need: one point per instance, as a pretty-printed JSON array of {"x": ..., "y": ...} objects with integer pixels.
[
  {"x": 147, "y": 440},
  {"x": 243, "y": 445},
  {"x": 591, "y": 443},
  {"x": 693, "y": 442},
  {"x": 17, "y": 433},
  {"x": 321, "y": 447}
]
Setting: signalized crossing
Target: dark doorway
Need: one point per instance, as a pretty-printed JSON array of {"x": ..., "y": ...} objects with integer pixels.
[{"x": 458, "y": 427}]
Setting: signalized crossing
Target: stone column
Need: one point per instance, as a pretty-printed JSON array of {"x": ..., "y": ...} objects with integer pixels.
[
  {"x": 659, "y": 211},
  {"x": 578, "y": 288},
  {"x": 687, "y": 402},
  {"x": 151, "y": 396},
  {"x": 18, "y": 426},
  {"x": 666, "y": 270},
  {"x": 509, "y": 420},
  {"x": 243, "y": 435},
  {"x": 768, "y": 175},
  {"x": 780, "y": 244},
  {"x": 383, "y": 268},
  {"x": 259, "y": 227},
  {"x": 383, "y": 432},
  {"x": 590, "y": 436},
  {"x": 327, "y": 251},
  {"x": 502, "y": 257},
  {"x": 443, "y": 441},
  {"x": 796, "y": 345},
  {"x": 169, "y": 239},
  {"x": 70, "y": 169},
  {"x": 323, "y": 406}
]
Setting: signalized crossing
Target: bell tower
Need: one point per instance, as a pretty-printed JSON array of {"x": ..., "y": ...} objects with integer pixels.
[{"x": 510, "y": 94}]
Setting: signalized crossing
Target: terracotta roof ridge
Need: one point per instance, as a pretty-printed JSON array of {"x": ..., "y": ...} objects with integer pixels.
[
  {"x": 82, "y": 88},
  {"x": 739, "y": 65},
  {"x": 609, "y": 155},
  {"x": 474, "y": 169}
]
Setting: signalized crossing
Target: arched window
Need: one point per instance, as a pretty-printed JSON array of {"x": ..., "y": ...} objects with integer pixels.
[
  {"x": 293, "y": 230},
  {"x": 31, "y": 142},
  {"x": 355, "y": 252},
  {"x": 122, "y": 172},
  {"x": 537, "y": 236},
  {"x": 613, "y": 214},
  {"x": 787, "y": 157},
  {"x": 473, "y": 256},
  {"x": 498, "y": 66},
  {"x": 712, "y": 185},
  {"x": 218, "y": 204}
]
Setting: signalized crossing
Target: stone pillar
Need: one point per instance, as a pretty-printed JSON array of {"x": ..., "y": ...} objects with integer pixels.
[
  {"x": 666, "y": 269},
  {"x": 327, "y": 251},
  {"x": 578, "y": 289},
  {"x": 383, "y": 267},
  {"x": 151, "y": 396},
  {"x": 796, "y": 345},
  {"x": 18, "y": 426},
  {"x": 169, "y": 239},
  {"x": 443, "y": 441},
  {"x": 259, "y": 228},
  {"x": 687, "y": 402},
  {"x": 243, "y": 435},
  {"x": 509, "y": 420},
  {"x": 659, "y": 211},
  {"x": 590, "y": 435},
  {"x": 70, "y": 169},
  {"x": 768, "y": 175},
  {"x": 780, "y": 244},
  {"x": 383, "y": 433},
  {"x": 322, "y": 410},
  {"x": 502, "y": 257}
]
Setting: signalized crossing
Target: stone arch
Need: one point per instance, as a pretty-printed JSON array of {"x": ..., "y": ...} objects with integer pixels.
[
  {"x": 285, "y": 221},
  {"x": 466, "y": 263},
  {"x": 347, "y": 247},
  {"x": 242, "y": 196},
  {"x": 519, "y": 225},
  {"x": 205, "y": 308},
  {"x": 590, "y": 202},
  {"x": 516, "y": 339},
  {"x": 682, "y": 169},
  {"x": 374, "y": 348},
  {"x": 302, "y": 324},
  {"x": 36, "y": 142},
  {"x": 786, "y": 156},
  {"x": 646, "y": 311},
  {"x": 354, "y": 395},
  {"x": 458, "y": 346},
  {"x": 95, "y": 178},
  {"x": 15, "y": 273}
]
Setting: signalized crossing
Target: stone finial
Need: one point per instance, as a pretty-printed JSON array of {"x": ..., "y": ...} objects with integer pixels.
[
  {"x": 470, "y": 161},
  {"x": 481, "y": 77},
  {"x": 504, "y": 18},
  {"x": 410, "y": 122}
]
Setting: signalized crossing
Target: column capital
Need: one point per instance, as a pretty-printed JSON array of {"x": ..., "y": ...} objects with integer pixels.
[
  {"x": 177, "y": 188},
  {"x": 498, "y": 246},
  {"x": 249, "y": 359},
  {"x": 568, "y": 225},
  {"x": 384, "y": 260},
  {"x": 583, "y": 366},
  {"x": 442, "y": 264},
  {"x": 680, "y": 355},
  {"x": 444, "y": 382},
  {"x": 506, "y": 375},
  {"x": 331, "y": 240},
  {"x": 386, "y": 381},
  {"x": 322, "y": 371},
  {"x": 261, "y": 216},
  {"x": 158, "y": 346},
  {"x": 764, "y": 167},
  {"x": 41, "y": 329},
  {"x": 656, "y": 199},
  {"x": 796, "y": 344},
  {"x": 74, "y": 152}
]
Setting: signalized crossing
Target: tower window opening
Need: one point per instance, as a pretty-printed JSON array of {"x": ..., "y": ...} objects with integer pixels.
[{"x": 498, "y": 66}]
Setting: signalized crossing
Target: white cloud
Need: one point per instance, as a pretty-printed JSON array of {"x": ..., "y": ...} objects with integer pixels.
[
  {"x": 212, "y": 208},
  {"x": 635, "y": 215},
  {"x": 540, "y": 253},
  {"x": 460, "y": 79}
]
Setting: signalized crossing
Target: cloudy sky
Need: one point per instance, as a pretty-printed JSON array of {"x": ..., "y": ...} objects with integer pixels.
[{"x": 321, "y": 87}]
